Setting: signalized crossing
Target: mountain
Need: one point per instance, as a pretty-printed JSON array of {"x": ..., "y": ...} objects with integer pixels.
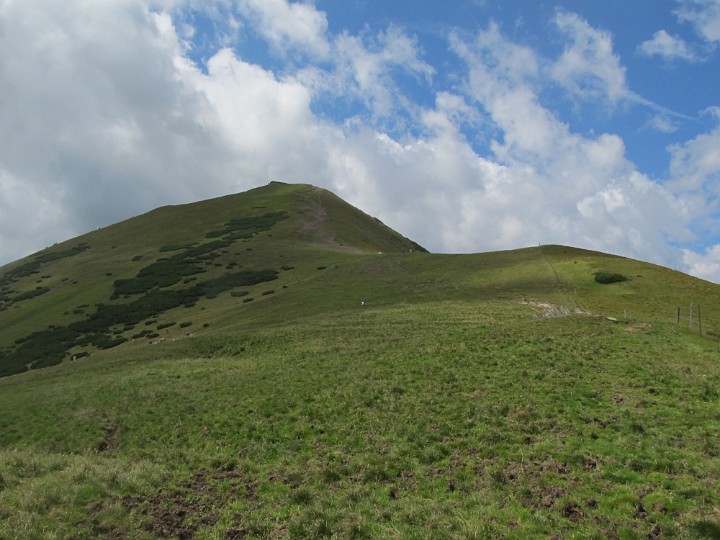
[
  {"x": 277, "y": 363},
  {"x": 93, "y": 291}
]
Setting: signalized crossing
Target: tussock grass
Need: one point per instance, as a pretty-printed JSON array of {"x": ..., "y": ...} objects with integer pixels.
[
  {"x": 46, "y": 496},
  {"x": 441, "y": 420}
]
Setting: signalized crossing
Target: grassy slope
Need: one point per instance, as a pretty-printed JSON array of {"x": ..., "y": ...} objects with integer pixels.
[
  {"x": 309, "y": 236},
  {"x": 443, "y": 408}
]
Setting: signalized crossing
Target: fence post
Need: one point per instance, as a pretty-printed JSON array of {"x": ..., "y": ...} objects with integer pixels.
[
  {"x": 700, "y": 319},
  {"x": 691, "y": 315}
]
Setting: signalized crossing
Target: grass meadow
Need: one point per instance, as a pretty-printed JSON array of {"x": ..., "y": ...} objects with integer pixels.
[{"x": 434, "y": 420}]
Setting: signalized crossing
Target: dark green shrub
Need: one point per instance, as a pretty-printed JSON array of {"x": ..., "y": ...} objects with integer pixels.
[
  {"x": 51, "y": 346},
  {"x": 174, "y": 247},
  {"x": 53, "y": 256},
  {"x": 37, "y": 291},
  {"x": 32, "y": 267},
  {"x": 241, "y": 228},
  {"x": 609, "y": 277},
  {"x": 213, "y": 287},
  {"x": 165, "y": 325}
]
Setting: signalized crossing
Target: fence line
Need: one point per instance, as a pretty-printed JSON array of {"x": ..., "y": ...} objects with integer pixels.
[{"x": 694, "y": 316}]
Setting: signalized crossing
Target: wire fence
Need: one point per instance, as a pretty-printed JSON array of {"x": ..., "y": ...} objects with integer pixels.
[{"x": 691, "y": 317}]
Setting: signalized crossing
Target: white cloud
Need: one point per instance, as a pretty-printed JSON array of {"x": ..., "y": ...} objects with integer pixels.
[
  {"x": 704, "y": 265},
  {"x": 663, "y": 124},
  {"x": 558, "y": 186},
  {"x": 95, "y": 114},
  {"x": 695, "y": 165},
  {"x": 287, "y": 24},
  {"x": 667, "y": 46},
  {"x": 49, "y": 223},
  {"x": 543, "y": 183},
  {"x": 366, "y": 69},
  {"x": 588, "y": 66},
  {"x": 362, "y": 68},
  {"x": 256, "y": 109},
  {"x": 704, "y": 15}
]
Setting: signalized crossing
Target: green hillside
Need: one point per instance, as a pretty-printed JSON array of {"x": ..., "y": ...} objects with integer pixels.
[
  {"x": 98, "y": 289},
  {"x": 278, "y": 364}
]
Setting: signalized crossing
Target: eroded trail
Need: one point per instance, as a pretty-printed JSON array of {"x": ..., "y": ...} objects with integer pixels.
[{"x": 317, "y": 215}]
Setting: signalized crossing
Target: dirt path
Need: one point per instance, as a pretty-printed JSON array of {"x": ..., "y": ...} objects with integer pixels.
[{"x": 313, "y": 227}]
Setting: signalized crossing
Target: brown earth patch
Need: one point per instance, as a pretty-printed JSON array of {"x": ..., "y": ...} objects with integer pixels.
[
  {"x": 181, "y": 510},
  {"x": 545, "y": 309},
  {"x": 312, "y": 227},
  {"x": 110, "y": 439}
]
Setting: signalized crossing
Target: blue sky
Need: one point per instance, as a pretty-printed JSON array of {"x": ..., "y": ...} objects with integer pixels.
[{"x": 468, "y": 126}]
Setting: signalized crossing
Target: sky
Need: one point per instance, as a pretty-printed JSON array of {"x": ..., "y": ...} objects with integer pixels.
[{"x": 468, "y": 126}]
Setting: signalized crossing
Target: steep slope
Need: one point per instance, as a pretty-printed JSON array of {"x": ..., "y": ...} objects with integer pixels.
[{"x": 92, "y": 292}]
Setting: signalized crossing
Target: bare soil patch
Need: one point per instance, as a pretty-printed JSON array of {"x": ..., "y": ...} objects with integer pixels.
[{"x": 179, "y": 511}]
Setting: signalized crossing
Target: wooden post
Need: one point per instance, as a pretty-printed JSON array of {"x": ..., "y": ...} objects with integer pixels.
[
  {"x": 678, "y": 315},
  {"x": 691, "y": 315},
  {"x": 700, "y": 319}
]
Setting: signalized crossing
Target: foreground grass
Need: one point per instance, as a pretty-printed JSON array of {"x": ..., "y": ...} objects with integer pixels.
[
  {"x": 45, "y": 495},
  {"x": 436, "y": 420}
]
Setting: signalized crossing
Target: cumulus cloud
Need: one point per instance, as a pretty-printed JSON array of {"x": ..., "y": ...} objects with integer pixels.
[
  {"x": 704, "y": 265},
  {"x": 704, "y": 15},
  {"x": 361, "y": 69},
  {"x": 258, "y": 112},
  {"x": 285, "y": 25},
  {"x": 556, "y": 185},
  {"x": 667, "y": 46},
  {"x": 49, "y": 221},
  {"x": 588, "y": 66},
  {"x": 88, "y": 125},
  {"x": 695, "y": 165}
]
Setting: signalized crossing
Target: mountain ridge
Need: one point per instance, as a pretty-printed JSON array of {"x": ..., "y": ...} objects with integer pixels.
[
  {"x": 93, "y": 292},
  {"x": 153, "y": 254}
]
